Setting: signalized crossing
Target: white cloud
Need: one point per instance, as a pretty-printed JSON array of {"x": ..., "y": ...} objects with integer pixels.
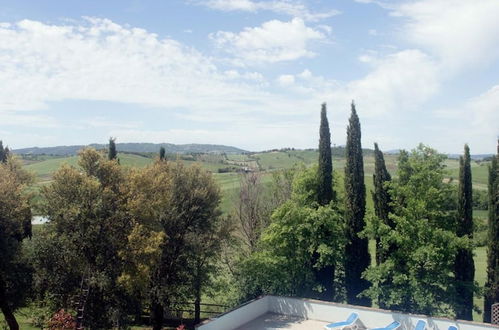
[
  {"x": 273, "y": 41},
  {"x": 400, "y": 81},
  {"x": 286, "y": 79},
  {"x": 100, "y": 121},
  {"x": 476, "y": 121},
  {"x": 100, "y": 60},
  {"x": 461, "y": 33},
  {"x": 11, "y": 118},
  {"x": 287, "y": 7}
]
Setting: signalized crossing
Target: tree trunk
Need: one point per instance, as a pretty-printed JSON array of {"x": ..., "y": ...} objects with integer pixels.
[
  {"x": 197, "y": 303},
  {"x": 4, "y": 306},
  {"x": 325, "y": 277},
  {"x": 157, "y": 316}
]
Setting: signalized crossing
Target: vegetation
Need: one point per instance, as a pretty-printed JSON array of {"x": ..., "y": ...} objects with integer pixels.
[
  {"x": 325, "y": 192},
  {"x": 162, "y": 153},
  {"x": 492, "y": 285},
  {"x": 324, "y": 274},
  {"x": 382, "y": 204},
  {"x": 465, "y": 268},
  {"x": 357, "y": 257},
  {"x": 15, "y": 225},
  {"x": 112, "y": 153},
  {"x": 4, "y": 153},
  {"x": 147, "y": 236},
  {"x": 417, "y": 276}
]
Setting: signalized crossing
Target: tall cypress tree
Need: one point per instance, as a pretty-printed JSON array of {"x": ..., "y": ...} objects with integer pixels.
[
  {"x": 357, "y": 257},
  {"x": 162, "y": 153},
  {"x": 325, "y": 275},
  {"x": 464, "y": 268},
  {"x": 325, "y": 192},
  {"x": 492, "y": 284},
  {"x": 112, "y": 153},
  {"x": 3, "y": 157},
  {"x": 382, "y": 200}
]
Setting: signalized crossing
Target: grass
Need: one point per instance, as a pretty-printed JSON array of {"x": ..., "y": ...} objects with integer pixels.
[
  {"x": 480, "y": 276},
  {"x": 22, "y": 318},
  {"x": 44, "y": 169},
  {"x": 479, "y": 173}
]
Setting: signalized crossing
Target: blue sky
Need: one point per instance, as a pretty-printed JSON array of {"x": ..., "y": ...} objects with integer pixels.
[{"x": 250, "y": 73}]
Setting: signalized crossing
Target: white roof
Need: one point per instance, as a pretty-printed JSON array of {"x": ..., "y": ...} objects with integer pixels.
[{"x": 273, "y": 312}]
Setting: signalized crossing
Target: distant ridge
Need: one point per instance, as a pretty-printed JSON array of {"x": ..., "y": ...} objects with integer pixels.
[
  {"x": 133, "y": 147},
  {"x": 451, "y": 156}
]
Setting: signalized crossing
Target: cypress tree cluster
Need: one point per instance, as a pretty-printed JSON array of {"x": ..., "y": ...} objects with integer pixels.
[
  {"x": 492, "y": 284},
  {"x": 382, "y": 200},
  {"x": 357, "y": 257},
  {"x": 464, "y": 269},
  {"x": 112, "y": 153},
  {"x": 325, "y": 192}
]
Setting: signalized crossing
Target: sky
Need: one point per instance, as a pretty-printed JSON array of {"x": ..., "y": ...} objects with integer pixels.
[{"x": 250, "y": 73}]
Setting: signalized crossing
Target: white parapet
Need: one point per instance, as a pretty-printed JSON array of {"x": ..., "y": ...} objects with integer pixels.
[{"x": 329, "y": 312}]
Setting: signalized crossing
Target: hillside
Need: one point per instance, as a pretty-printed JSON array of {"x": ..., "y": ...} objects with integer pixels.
[{"x": 133, "y": 147}]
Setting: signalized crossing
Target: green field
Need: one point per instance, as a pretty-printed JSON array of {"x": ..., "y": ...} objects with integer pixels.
[
  {"x": 265, "y": 162},
  {"x": 43, "y": 170}
]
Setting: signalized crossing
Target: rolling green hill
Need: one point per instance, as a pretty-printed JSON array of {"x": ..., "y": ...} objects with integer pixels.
[{"x": 44, "y": 169}]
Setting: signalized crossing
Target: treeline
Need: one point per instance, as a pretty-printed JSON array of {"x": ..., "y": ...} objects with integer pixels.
[
  {"x": 122, "y": 241},
  {"x": 315, "y": 244},
  {"x": 119, "y": 241}
]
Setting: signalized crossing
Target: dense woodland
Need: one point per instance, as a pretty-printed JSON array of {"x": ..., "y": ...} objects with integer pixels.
[{"x": 129, "y": 246}]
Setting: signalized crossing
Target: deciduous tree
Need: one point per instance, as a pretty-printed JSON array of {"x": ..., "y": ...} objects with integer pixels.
[
  {"x": 418, "y": 276},
  {"x": 86, "y": 207},
  {"x": 15, "y": 225},
  {"x": 181, "y": 202},
  {"x": 302, "y": 236}
]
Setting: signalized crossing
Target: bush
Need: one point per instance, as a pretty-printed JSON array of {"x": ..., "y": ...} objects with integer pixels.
[{"x": 62, "y": 320}]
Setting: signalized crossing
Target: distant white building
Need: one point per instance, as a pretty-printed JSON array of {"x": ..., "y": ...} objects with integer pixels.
[{"x": 272, "y": 312}]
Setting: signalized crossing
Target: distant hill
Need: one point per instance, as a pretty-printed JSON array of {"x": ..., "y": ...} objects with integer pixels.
[
  {"x": 451, "y": 156},
  {"x": 134, "y": 147}
]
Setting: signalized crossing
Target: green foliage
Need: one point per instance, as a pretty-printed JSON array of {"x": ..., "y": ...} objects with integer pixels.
[
  {"x": 182, "y": 203},
  {"x": 357, "y": 257},
  {"x": 480, "y": 199},
  {"x": 300, "y": 229},
  {"x": 162, "y": 153},
  {"x": 382, "y": 202},
  {"x": 418, "y": 276},
  {"x": 465, "y": 268},
  {"x": 15, "y": 225},
  {"x": 88, "y": 228},
  {"x": 112, "y": 153},
  {"x": 3, "y": 153},
  {"x": 325, "y": 192},
  {"x": 492, "y": 284}
]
